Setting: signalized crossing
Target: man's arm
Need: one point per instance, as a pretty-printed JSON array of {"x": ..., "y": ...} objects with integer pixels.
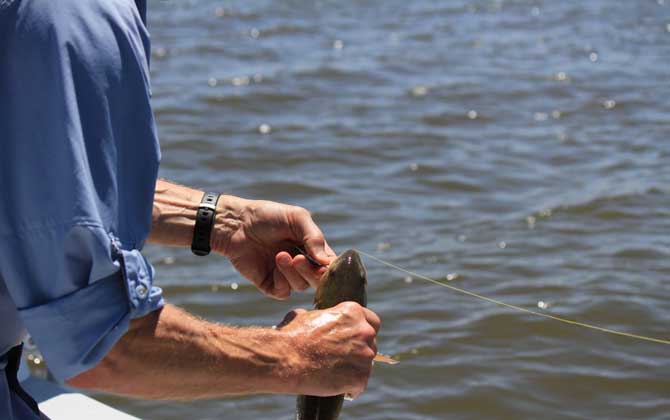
[
  {"x": 169, "y": 354},
  {"x": 173, "y": 216}
]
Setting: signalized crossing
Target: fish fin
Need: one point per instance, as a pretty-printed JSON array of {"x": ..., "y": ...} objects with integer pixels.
[{"x": 382, "y": 358}]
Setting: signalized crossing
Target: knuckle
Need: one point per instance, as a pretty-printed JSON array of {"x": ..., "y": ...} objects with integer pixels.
[
  {"x": 301, "y": 211},
  {"x": 350, "y": 306},
  {"x": 279, "y": 295},
  {"x": 369, "y": 353},
  {"x": 368, "y": 332}
]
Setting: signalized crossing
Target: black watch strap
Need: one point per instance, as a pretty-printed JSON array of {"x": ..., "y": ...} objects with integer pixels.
[{"x": 204, "y": 221}]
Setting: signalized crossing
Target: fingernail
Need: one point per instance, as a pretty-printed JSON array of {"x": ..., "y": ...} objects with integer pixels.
[{"x": 284, "y": 260}]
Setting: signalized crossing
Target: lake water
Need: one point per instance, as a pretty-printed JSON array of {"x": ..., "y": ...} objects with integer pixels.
[{"x": 521, "y": 146}]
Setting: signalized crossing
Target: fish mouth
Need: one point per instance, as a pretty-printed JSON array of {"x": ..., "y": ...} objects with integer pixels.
[
  {"x": 350, "y": 257},
  {"x": 347, "y": 261}
]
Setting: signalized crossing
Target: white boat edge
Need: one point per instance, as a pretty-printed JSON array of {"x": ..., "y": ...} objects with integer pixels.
[{"x": 60, "y": 403}]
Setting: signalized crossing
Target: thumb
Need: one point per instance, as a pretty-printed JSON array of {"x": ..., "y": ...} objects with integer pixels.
[
  {"x": 312, "y": 238},
  {"x": 318, "y": 249},
  {"x": 290, "y": 317}
]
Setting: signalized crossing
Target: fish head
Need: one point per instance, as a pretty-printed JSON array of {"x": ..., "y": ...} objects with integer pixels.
[{"x": 344, "y": 280}]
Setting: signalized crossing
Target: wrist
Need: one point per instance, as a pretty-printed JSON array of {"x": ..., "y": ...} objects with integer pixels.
[
  {"x": 230, "y": 214},
  {"x": 290, "y": 370},
  {"x": 174, "y": 216},
  {"x": 299, "y": 366},
  {"x": 259, "y": 360}
]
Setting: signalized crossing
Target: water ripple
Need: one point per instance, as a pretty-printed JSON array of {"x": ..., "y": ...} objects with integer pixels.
[{"x": 521, "y": 144}]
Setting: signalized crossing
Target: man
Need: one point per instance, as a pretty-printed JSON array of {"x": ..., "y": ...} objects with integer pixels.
[{"x": 79, "y": 197}]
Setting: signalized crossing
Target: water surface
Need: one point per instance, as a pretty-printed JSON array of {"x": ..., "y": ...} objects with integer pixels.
[{"x": 522, "y": 145}]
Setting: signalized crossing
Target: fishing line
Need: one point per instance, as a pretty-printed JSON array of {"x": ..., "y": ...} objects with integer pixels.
[{"x": 515, "y": 307}]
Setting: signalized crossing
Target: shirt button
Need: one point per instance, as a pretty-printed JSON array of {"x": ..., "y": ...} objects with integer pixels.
[{"x": 141, "y": 291}]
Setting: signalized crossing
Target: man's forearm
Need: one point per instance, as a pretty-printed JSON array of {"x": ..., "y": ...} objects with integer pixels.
[
  {"x": 169, "y": 354},
  {"x": 173, "y": 217}
]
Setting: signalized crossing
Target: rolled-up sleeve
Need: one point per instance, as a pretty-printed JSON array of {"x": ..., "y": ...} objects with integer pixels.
[
  {"x": 77, "y": 171},
  {"x": 76, "y": 292}
]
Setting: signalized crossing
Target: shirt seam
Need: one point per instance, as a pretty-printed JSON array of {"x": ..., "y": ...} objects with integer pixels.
[
  {"x": 47, "y": 226},
  {"x": 4, "y": 4}
]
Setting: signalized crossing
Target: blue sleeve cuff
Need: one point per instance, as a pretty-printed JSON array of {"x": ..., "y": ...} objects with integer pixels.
[
  {"x": 76, "y": 331},
  {"x": 138, "y": 274}
]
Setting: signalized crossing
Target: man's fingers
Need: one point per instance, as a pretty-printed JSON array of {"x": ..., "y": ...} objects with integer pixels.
[
  {"x": 284, "y": 263},
  {"x": 309, "y": 234},
  {"x": 373, "y": 319},
  {"x": 307, "y": 271},
  {"x": 318, "y": 248},
  {"x": 356, "y": 392},
  {"x": 329, "y": 251},
  {"x": 280, "y": 287},
  {"x": 290, "y": 317}
]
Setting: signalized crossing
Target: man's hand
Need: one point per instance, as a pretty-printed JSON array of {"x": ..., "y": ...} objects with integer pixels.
[
  {"x": 256, "y": 235},
  {"x": 335, "y": 348}
]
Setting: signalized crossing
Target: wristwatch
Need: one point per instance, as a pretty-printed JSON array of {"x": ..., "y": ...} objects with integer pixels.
[{"x": 204, "y": 221}]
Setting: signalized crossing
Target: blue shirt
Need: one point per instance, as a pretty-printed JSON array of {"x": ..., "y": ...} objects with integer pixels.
[{"x": 79, "y": 158}]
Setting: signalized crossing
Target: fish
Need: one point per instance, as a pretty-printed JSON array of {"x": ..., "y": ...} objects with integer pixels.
[{"x": 344, "y": 280}]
